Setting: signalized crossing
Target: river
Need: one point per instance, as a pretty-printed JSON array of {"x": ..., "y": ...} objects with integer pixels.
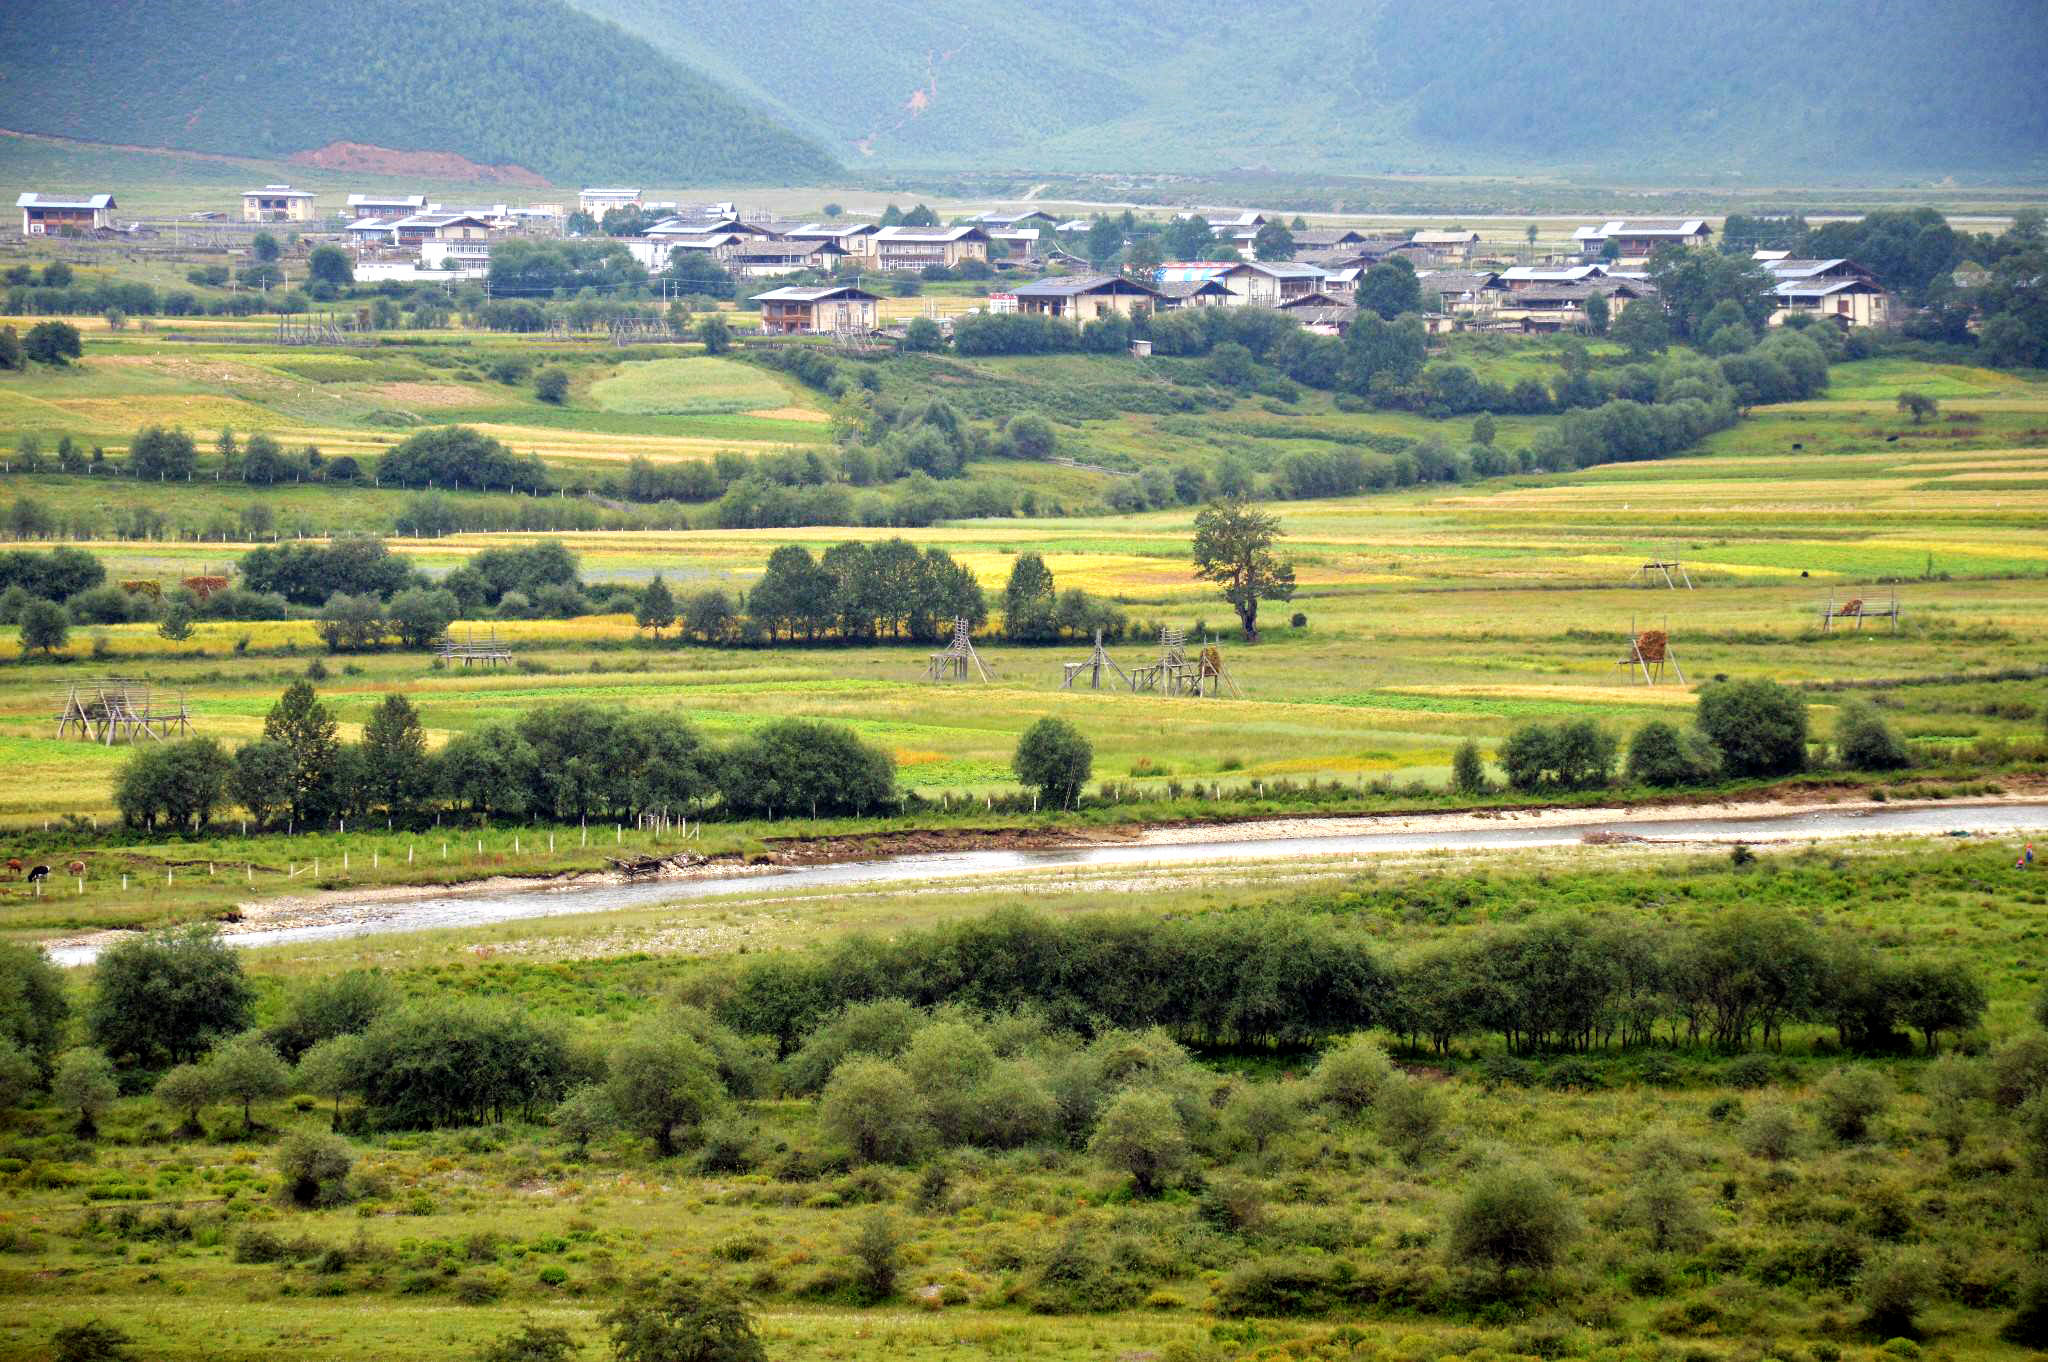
[{"x": 337, "y": 919}]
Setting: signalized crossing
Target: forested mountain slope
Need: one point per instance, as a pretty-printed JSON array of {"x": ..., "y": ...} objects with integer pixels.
[
  {"x": 1739, "y": 87},
  {"x": 531, "y": 83}
]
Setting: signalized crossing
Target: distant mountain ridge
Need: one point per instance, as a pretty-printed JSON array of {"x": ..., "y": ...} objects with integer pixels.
[
  {"x": 1734, "y": 88},
  {"x": 528, "y": 83}
]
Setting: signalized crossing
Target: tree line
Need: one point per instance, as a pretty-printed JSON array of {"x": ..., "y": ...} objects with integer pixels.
[
  {"x": 1290, "y": 981},
  {"x": 566, "y": 762}
]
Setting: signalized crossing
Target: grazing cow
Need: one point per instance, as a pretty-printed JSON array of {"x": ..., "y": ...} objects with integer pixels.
[
  {"x": 14, "y": 865},
  {"x": 41, "y": 872},
  {"x": 76, "y": 868}
]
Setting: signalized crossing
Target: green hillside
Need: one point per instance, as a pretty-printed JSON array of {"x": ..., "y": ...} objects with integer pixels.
[
  {"x": 528, "y": 83},
  {"x": 1745, "y": 88}
]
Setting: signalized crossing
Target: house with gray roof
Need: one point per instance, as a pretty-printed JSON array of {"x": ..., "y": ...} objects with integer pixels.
[
  {"x": 1084, "y": 297},
  {"x": 56, "y": 214}
]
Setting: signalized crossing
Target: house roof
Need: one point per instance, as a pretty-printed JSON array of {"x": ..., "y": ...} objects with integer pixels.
[
  {"x": 750, "y": 248},
  {"x": 1317, "y": 299},
  {"x": 92, "y": 201},
  {"x": 1327, "y": 236},
  {"x": 277, "y": 191},
  {"x": 821, "y": 231},
  {"x": 1191, "y": 288},
  {"x": 1457, "y": 281},
  {"x": 1024, "y": 234},
  {"x": 1190, "y": 271},
  {"x": 1810, "y": 269},
  {"x": 373, "y": 225},
  {"x": 1074, "y": 285},
  {"x": 1012, "y": 219},
  {"x": 1550, "y": 274},
  {"x": 612, "y": 193},
  {"x": 1674, "y": 228},
  {"x": 1562, "y": 295},
  {"x": 436, "y": 221},
  {"x": 1445, "y": 238},
  {"x": 387, "y": 200},
  {"x": 1821, "y": 287},
  {"x": 928, "y": 235},
  {"x": 1339, "y": 315},
  {"x": 815, "y": 295},
  {"x": 1282, "y": 269}
]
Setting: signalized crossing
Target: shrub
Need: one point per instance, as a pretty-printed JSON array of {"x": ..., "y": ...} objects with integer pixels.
[
  {"x": 871, "y": 1107},
  {"x": 879, "y": 1250},
  {"x": 1759, "y": 726},
  {"x": 91, "y": 1341},
  {"x": 1510, "y": 1218},
  {"x": 1893, "y": 1290},
  {"x": 551, "y": 385},
  {"x": 684, "y": 1321},
  {"x": 1848, "y": 1100},
  {"x": 1412, "y": 1116},
  {"x": 2034, "y": 1132},
  {"x": 311, "y": 1167},
  {"x": 1468, "y": 769},
  {"x": 2028, "y": 1326},
  {"x": 1142, "y": 1134},
  {"x": 1659, "y": 754},
  {"x": 1750, "y": 1072},
  {"x": 1771, "y": 1134},
  {"x": 2019, "y": 1070},
  {"x": 1865, "y": 742},
  {"x": 1053, "y": 756},
  {"x": 1350, "y": 1075},
  {"x": 533, "y": 1343}
]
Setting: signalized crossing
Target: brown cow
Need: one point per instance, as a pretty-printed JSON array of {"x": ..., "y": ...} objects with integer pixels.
[
  {"x": 76, "y": 868},
  {"x": 14, "y": 865}
]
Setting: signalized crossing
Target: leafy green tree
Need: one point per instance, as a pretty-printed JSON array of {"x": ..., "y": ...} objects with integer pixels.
[
  {"x": 715, "y": 332},
  {"x": 684, "y": 1321},
  {"x": 398, "y": 772},
  {"x": 1142, "y": 1134},
  {"x": 12, "y": 357},
  {"x": 1054, "y": 757},
  {"x": 1390, "y": 289},
  {"x": 1234, "y": 548},
  {"x": 246, "y": 1069},
  {"x": 19, "y": 1075},
  {"x": 1412, "y": 1117},
  {"x": 584, "y": 1115},
  {"x": 1894, "y": 1291},
  {"x": 1919, "y": 404},
  {"x": 311, "y": 1167},
  {"x": 1273, "y": 242},
  {"x": 551, "y": 385},
  {"x": 1865, "y": 742},
  {"x": 793, "y": 766},
  {"x": 655, "y": 607},
  {"x": 1468, "y": 769},
  {"x": 923, "y": 335},
  {"x": 330, "y": 265},
  {"x": 176, "y": 625},
  {"x": 165, "y": 997},
  {"x": 659, "y": 1080},
  {"x": 156, "y": 452},
  {"x": 262, "y": 779},
  {"x": 421, "y": 615},
  {"x": 871, "y": 1107},
  {"x": 1512, "y": 1218},
  {"x": 34, "y": 1003},
  {"x": 1643, "y": 327},
  {"x": 1029, "y": 435},
  {"x": 1259, "y": 1113},
  {"x": 1759, "y": 726},
  {"x": 1104, "y": 239},
  {"x": 45, "y": 625},
  {"x": 301, "y": 724},
  {"x": 185, "y": 1091},
  {"x": 84, "y": 1083},
  {"x": 1660, "y": 755},
  {"x": 178, "y": 784},
  {"x": 1029, "y": 601},
  {"x": 1597, "y": 314},
  {"x": 352, "y": 623},
  {"x": 53, "y": 343},
  {"x": 332, "y": 1068}
]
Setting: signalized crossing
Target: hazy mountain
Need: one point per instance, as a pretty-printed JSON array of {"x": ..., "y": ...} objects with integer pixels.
[
  {"x": 531, "y": 83},
  {"x": 1735, "y": 87}
]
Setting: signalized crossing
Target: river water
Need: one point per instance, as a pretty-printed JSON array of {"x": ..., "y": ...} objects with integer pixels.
[{"x": 456, "y": 908}]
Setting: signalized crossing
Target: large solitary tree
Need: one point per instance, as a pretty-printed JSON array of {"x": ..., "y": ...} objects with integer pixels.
[{"x": 1234, "y": 549}]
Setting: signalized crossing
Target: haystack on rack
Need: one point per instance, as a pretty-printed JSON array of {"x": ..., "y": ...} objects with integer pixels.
[
  {"x": 1097, "y": 663},
  {"x": 1671, "y": 569},
  {"x": 1173, "y": 673},
  {"x": 115, "y": 708},
  {"x": 1860, "y": 610},
  {"x": 470, "y": 650},
  {"x": 1648, "y": 651},
  {"x": 953, "y": 663}
]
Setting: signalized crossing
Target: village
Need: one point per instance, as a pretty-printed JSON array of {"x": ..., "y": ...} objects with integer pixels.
[{"x": 831, "y": 274}]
